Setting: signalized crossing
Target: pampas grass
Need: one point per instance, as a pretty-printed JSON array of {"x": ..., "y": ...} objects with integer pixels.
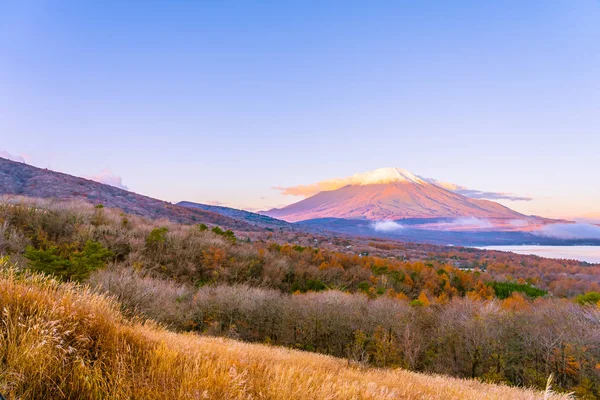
[{"x": 63, "y": 341}]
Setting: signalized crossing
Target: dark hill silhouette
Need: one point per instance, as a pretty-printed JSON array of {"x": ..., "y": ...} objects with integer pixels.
[{"x": 21, "y": 179}]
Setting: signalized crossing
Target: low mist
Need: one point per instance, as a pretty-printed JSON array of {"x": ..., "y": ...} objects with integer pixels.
[
  {"x": 569, "y": 231},
  {"x": 386, "y": 226},
  {"x": 519, "y": 223},
  {"x": 466, "y": 222}
]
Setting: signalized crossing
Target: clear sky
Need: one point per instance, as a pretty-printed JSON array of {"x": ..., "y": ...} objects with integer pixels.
[{"x": 220, "y": 101}]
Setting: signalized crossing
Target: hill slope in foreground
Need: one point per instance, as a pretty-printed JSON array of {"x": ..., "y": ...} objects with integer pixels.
[
  {"x": 62, "y": 341},
  {"x": 25, "y": 180}
]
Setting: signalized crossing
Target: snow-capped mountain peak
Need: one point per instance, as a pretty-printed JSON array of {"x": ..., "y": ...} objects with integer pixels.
[
  {"x": 390, "y": 194},
  {"x": 385, "y": 175}
]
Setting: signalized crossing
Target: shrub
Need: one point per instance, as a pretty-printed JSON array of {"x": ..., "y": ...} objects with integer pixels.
[
  {"x": 218, "y": 231},
  {"x": 504, "y": 290},
  {"x": 228, "y": 234},
  {"x": 70, "y": 266},
  {"x": 93, "y": 256},
  {"x": 588, "y": 298},
  {"x": 49, "y": 261},
  {"x": 315, "y": 285},
  {"x": 156, "y": 239},
  {"x": 364, "y": 286},
  {"x": 202, "y": 227}
]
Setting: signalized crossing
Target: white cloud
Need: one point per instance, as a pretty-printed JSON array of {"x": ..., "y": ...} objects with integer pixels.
[
  {"x": 518, "y": 223},
  {"x": 476, "y": 194},
  {"x": 466, "y": 223},
  {"x": 12, "y": 157},
  {"x": 570, "y": 231},
  {"x": 386, "y": 226},
  {"x": 108, "y": 178},
  {"x": 217, "y": 203},
  {"x": 337, "y": 183},
  {"x": 312, "y": 189}
]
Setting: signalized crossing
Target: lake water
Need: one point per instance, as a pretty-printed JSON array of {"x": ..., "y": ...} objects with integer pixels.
[{"x": 590, "y": 254}]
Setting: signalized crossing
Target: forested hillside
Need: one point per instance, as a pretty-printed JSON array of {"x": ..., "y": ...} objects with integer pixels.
[{"x": 500, "y": 320}]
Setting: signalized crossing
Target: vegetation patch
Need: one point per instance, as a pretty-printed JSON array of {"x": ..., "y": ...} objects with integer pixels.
[{"x": 504, "y": 290}]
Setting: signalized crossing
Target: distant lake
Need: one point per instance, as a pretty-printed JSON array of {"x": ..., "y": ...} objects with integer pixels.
[{"x": 590, "y": 254}]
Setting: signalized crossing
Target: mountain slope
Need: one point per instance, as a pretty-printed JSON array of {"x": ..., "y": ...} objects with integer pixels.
[
  {"x": 391, "y": 194},
  {"x": 250, "y": 217},
  {"x": 25, "y": 180}
]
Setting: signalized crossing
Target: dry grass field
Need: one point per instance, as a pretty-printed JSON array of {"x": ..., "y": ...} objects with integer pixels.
[{"x": 61, "y": 341}]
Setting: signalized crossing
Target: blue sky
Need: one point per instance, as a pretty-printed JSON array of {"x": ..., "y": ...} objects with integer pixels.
[{"x": 224, "y": 100}]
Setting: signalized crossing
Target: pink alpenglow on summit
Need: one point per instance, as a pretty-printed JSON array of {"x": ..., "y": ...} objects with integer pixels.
[{"x": 390, "y": 194}]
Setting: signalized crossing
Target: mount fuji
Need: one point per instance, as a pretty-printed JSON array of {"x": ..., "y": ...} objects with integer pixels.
[{"x": 393, "y": 194}]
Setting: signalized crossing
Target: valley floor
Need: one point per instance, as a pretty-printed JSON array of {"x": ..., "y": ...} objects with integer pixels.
[{"x": 62, "y": 341}]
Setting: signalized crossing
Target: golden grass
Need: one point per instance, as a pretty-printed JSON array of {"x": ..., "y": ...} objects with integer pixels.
[{"x": 63, "y": 341}]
